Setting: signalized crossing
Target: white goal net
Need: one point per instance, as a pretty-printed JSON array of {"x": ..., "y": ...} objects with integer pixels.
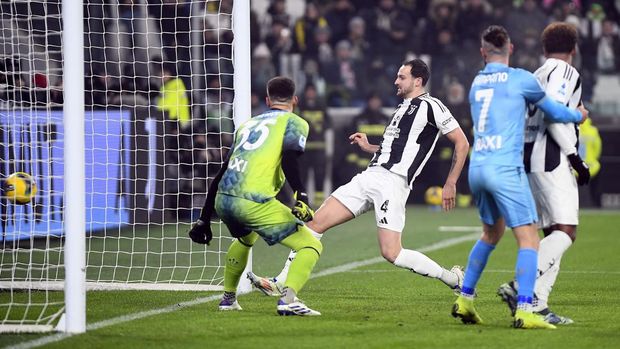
[{"x": 158, "y": 120}]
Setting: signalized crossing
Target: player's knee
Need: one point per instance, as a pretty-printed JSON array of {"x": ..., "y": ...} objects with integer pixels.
[
  {"x": 389, "y": 254},
  {"x": 570, "y": 230}
]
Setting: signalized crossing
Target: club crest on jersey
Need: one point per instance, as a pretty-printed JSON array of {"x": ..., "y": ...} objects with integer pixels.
[{"x": 302, "y": 141}]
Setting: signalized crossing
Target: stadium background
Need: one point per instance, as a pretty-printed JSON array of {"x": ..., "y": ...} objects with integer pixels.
[{"x": 348, "y": 50}]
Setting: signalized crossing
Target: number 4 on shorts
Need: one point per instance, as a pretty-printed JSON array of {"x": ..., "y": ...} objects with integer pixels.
[{"x": 384, "y": 207}]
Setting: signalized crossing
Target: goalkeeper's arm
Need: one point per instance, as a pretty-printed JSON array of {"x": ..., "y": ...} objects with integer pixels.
[
  {"x": 291, "y": 168},
  {"x": 201, "y": 230},
  {"x": 207, "y": 209}
]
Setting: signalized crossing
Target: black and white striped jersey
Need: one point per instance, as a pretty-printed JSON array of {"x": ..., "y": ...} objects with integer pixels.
[
  {"x": 547, "y": 144},
  {"x": 409, "y": 139}
]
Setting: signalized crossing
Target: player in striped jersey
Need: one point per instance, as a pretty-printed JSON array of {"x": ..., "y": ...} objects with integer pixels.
[
  {"x": 549, "y": 149},
  {"x": 498, "y": 97},
  {"x": 407, "y": 144}
]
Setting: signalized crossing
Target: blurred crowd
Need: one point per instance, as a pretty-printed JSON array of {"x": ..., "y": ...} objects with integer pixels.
[{"x": 349, "y": 49}]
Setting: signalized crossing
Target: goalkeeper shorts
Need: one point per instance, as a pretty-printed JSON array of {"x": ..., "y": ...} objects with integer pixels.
[{"x": 272, "y": 220}]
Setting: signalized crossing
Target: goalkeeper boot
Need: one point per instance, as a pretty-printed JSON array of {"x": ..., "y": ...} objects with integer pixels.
[
  {"x": 295, "y": 308},
  {"x": 508, "y": 294},
  {"x": 269, "y": 287},
  {"x": 229, "y": 302},
  {"x": 528, "y": 320},
  {"x": 464, "y": 309},
  {"x": 553, "y": 318},
  {"x": 458, "y": 271}
]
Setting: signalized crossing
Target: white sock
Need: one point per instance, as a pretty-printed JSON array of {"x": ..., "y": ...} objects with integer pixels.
[
  {"x": 550, "y": 254},
  {"x": 281, "y": 278},
  {"x": 419, "y": 263}
]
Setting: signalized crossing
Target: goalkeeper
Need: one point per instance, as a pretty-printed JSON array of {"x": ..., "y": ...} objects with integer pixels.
[{"x": 266, "y": 148}]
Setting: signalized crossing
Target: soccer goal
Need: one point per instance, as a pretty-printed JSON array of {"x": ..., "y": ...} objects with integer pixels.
[{"x": 122, "y": 111}]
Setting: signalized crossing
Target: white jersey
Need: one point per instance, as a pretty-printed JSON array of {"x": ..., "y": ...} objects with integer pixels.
[
  {"x": 410, "y": 138},
  {"x": 543, "y": 153}
]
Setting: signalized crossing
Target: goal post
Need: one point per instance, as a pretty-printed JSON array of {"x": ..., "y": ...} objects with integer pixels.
[
  {"x": 74, "y": 174},
  {"x": 149, "y": 99}
]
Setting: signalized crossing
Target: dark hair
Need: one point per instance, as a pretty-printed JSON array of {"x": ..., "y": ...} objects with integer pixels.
[
  {"x": 280, "y": 89},
  {"x": 497, "y": 37},
  {"x": 419, "y": 69},
  {"x": 559, "y": 37}
]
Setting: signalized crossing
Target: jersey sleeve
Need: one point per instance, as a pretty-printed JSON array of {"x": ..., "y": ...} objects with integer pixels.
[
  {"x": 295, "y": 134},
  {"x": 444, "y": 119},
  {"x": 531, "y": 89}
]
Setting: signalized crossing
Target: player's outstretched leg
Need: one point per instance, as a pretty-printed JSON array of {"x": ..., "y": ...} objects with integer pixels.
[{"x": 463, "y": 308}]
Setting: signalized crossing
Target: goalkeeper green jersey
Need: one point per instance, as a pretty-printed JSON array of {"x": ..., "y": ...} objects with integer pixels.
[{"x": 254, "y": 170}]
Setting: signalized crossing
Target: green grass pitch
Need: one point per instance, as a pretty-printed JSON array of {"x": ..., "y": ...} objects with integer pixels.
[{"x": 377, "y": 305}]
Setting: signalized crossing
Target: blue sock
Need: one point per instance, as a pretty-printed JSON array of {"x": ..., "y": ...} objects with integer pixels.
[
  {"x": 527, "y": 261},
  {"x": 475, "y": 265}
]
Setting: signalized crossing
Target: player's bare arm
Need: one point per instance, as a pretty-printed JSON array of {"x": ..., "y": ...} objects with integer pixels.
[
  {"x": 461, "y": 149},
  {"x": 361, "y": 140}
]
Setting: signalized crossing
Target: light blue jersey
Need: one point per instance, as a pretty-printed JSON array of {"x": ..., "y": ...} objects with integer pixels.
[{"x": 499, "y": 97}]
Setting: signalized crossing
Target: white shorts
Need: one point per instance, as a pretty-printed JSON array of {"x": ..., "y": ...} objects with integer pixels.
[
  {"x": 378, "y": 187},
  {"x": 556, "y": 196}
]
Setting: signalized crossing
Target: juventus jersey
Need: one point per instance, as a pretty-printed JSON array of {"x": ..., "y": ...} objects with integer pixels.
[
  {"x": 409, "y": 139},
  {"x": 547, "y": 144}
]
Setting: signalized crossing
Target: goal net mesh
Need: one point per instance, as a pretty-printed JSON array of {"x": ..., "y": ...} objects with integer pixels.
[{"x": 158, "y": 121}]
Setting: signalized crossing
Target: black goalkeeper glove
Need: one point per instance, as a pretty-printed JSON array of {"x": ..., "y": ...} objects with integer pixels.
[
  {"x": 302, "y": 209},
  {"x": 201, "y": 232},
  {"x": 583, "y": 171}
]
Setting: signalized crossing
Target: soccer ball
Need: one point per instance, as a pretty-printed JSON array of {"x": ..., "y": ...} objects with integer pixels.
[
  {"x": 19, "y": 188},
  {"x": 432, "y": 196}
]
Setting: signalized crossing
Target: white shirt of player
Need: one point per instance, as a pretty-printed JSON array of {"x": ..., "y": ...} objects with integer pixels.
[
  {"x": 410, "y": 138},
  {"x": 562, "y": 83}
]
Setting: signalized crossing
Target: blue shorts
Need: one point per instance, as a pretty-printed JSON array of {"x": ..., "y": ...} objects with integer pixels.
[{"x": 502, "y": 191}]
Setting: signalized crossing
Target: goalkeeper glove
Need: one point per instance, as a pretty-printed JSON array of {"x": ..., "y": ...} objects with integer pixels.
[
  {"x": 302, "y": 209},
  {"x": 201, "y": 232},
  {"x": 583, "y": 171}
]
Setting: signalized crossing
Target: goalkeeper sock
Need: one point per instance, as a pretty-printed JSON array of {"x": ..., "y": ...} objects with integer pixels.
[
  {"x": 527, "y": 259},
  {"x": 236, "y": 259},
  {"x": 550, "y": 254},
  {"x": 281, "y": 278},
  {"x": 229, "y": 296},
  {"x": 288, "y": 295},
  {"x": 476, "y": 262},
  {"x": 419, "y": 263},
  {"x": 308, "y": 252}
]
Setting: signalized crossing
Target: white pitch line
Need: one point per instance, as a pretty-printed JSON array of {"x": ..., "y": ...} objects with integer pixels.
[
  {"x": 460, "y": 229},
  {"x": 171, "y": 308}
]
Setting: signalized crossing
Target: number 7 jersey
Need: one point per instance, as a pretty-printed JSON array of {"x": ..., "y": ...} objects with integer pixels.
[
  {"x": 498, "y": 97},
  {"x": 254, "y": 170}
]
